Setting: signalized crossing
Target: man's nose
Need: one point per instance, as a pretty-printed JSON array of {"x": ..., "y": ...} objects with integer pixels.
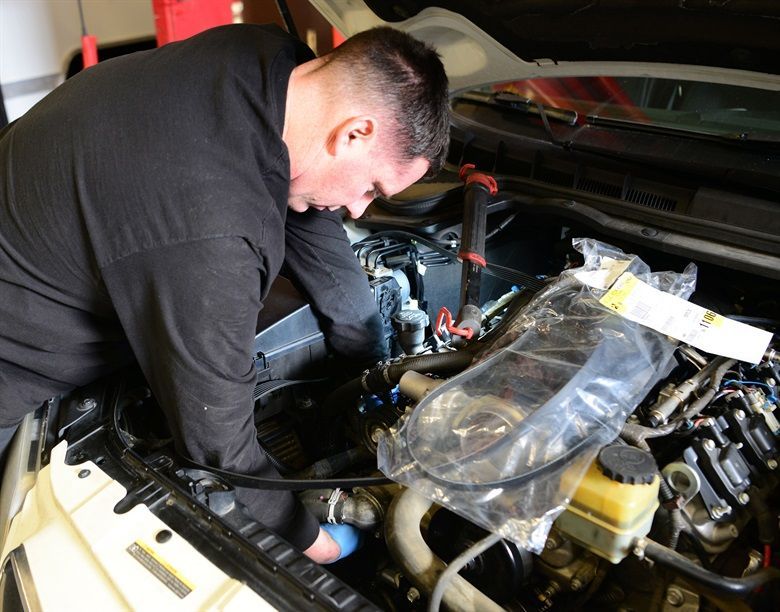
[{"x": 358, "y": 208}]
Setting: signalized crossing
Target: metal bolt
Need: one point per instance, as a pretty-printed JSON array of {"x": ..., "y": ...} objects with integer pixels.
[
  {"x": 575, "y": 584},
  {"x": 740, "y": 415},
  {"x": 743, "y": 498},
  {"x": 709, "y": 445},
  {"x": 376, "y": 434},
  {"x": 675, "y": 597},
  {"x": 553, "y": 588},
  {"x": 86, "y": 405},
  {"x": 709, "y": 422},
  {"x": 84, "y": 473},
  {"x": 552, "y": 542},
  {"x": 720, "y": 511},
  {"x": 639, "y": 548},
  {"x": 412, "y": 595},
  {"x": 771, "y": 464}
]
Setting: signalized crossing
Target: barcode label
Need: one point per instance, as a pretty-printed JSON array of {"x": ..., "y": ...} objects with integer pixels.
[
  {"x": 675, "y": 317},
  {"x": 640, "y": 311}
]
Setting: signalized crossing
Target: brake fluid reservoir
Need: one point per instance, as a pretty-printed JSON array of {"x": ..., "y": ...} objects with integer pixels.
[{"x": 614, "y": 503}]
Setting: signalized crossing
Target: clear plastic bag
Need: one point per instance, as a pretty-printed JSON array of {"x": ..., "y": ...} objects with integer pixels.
[{"x": 492, "y": 443}]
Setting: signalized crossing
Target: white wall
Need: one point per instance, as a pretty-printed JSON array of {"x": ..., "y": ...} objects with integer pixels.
[{"x": 39, "y": 37}]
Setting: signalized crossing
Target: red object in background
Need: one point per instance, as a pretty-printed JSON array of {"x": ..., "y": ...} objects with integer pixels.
[
  {"x": 338, "y": 37},
  {"x": 180, "y": 19},
  {"x": 88, "y": 50}
]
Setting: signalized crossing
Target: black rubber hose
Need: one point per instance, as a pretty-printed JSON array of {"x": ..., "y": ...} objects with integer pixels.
[
  {"x": 384, "y": 377},
  {"x": 676, "y": 522},
  {"x": 435, "y": 363},
  {"x": 716, "y": 583}
]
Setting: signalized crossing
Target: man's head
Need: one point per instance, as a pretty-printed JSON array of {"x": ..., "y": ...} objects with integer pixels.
[{"x": 368, "y": 119}]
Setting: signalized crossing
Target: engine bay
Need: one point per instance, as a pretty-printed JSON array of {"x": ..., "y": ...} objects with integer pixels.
[{"x": 678, "y": 512}]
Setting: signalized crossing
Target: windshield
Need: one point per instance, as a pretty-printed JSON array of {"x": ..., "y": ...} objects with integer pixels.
[{"x": 709, "y": 108}]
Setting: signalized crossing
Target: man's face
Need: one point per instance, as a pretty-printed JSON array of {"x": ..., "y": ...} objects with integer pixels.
[{"x": 352, "y": 181}]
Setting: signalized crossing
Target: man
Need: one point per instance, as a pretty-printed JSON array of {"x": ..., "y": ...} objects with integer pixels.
[{"x": 143, "y": 213}]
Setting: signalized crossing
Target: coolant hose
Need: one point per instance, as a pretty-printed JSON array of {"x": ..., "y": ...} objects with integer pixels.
[
  {"x": 716, "y": 583},
  {"x": 359, "y": 509},
  {"x": 384, "y": 377},
  {"x": 419, "y": 564}
]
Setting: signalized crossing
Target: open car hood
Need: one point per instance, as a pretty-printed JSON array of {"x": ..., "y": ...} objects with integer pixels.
[{"x": 491, "y": 41}]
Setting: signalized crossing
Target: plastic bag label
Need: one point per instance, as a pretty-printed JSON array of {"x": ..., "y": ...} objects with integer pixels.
[
  {"x": 609, "y": 270},
  {"x": 682, "y": 320}
]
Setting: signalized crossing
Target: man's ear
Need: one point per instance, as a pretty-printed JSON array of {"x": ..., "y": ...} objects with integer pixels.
[{"x": 353, "y": 135}]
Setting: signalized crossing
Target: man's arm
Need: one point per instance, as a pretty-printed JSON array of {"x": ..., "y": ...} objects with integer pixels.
[
  {"x": 320, "y": 261},
  {"x": 189, "y": 312}
]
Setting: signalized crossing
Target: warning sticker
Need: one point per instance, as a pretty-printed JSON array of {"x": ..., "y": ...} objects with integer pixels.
[
  {"x": 675, "y": 317},
  {"x": 161, "y": 570}
]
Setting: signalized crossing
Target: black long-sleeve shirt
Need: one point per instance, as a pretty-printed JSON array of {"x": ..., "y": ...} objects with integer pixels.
[{"x": 143, "y": 212}]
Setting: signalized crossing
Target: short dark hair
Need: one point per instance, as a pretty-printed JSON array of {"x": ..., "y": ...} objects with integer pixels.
[{"x": 405, "y": 76}]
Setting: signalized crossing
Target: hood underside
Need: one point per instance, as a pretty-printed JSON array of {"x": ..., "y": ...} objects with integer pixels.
[{"x": 492, "y": 40}]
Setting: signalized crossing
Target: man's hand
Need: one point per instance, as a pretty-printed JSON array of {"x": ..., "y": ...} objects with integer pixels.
[{"x": 334, "y": 542}]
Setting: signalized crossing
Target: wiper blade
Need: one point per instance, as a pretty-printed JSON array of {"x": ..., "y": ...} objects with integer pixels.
[
  {"x": 673, "y": 130},
  {"x": 506, "y": 99}
]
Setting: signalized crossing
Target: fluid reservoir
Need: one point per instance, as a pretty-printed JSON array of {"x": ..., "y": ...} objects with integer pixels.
[{"x": 614, "y": 503}]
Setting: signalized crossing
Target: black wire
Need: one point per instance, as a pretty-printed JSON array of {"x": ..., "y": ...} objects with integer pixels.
[
  {"x": 508, "y": 274},
  {"x": 501, "y": 226},
  {"x": 284, "y": 484},
  {"x": 250, "y": 482},
  {"x": 81, "y": 17},
  {"x": 284, "y": 11}
]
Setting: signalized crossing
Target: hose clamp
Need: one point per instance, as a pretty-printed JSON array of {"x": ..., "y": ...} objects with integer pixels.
[
  {"x": 364, "y": 380},
  {"x": 335, "y": 497}
]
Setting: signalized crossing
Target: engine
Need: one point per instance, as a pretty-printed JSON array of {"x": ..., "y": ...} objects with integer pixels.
[{"x": 676, "y": 509}]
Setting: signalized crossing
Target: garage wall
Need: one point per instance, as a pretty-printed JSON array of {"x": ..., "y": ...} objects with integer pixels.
[{"x": 39, "y": 37}]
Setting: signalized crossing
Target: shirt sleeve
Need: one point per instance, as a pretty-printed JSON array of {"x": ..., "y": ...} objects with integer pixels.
[
  {"x": 320, "y": 261},
  {"x": 190, "y": 312}
]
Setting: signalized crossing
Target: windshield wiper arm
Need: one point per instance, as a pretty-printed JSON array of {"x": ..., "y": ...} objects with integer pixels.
[
  {"x": 732, "y": 137},
  {"x": 512, "y": 101}
]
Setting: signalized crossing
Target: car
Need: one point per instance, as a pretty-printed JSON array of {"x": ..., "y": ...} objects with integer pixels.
[{"x": 582, "y": 312}]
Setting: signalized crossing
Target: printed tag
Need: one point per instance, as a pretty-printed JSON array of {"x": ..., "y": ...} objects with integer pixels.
[
  {"x": 682, "y": 320},
  {"x": 602, "y": 278}
]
